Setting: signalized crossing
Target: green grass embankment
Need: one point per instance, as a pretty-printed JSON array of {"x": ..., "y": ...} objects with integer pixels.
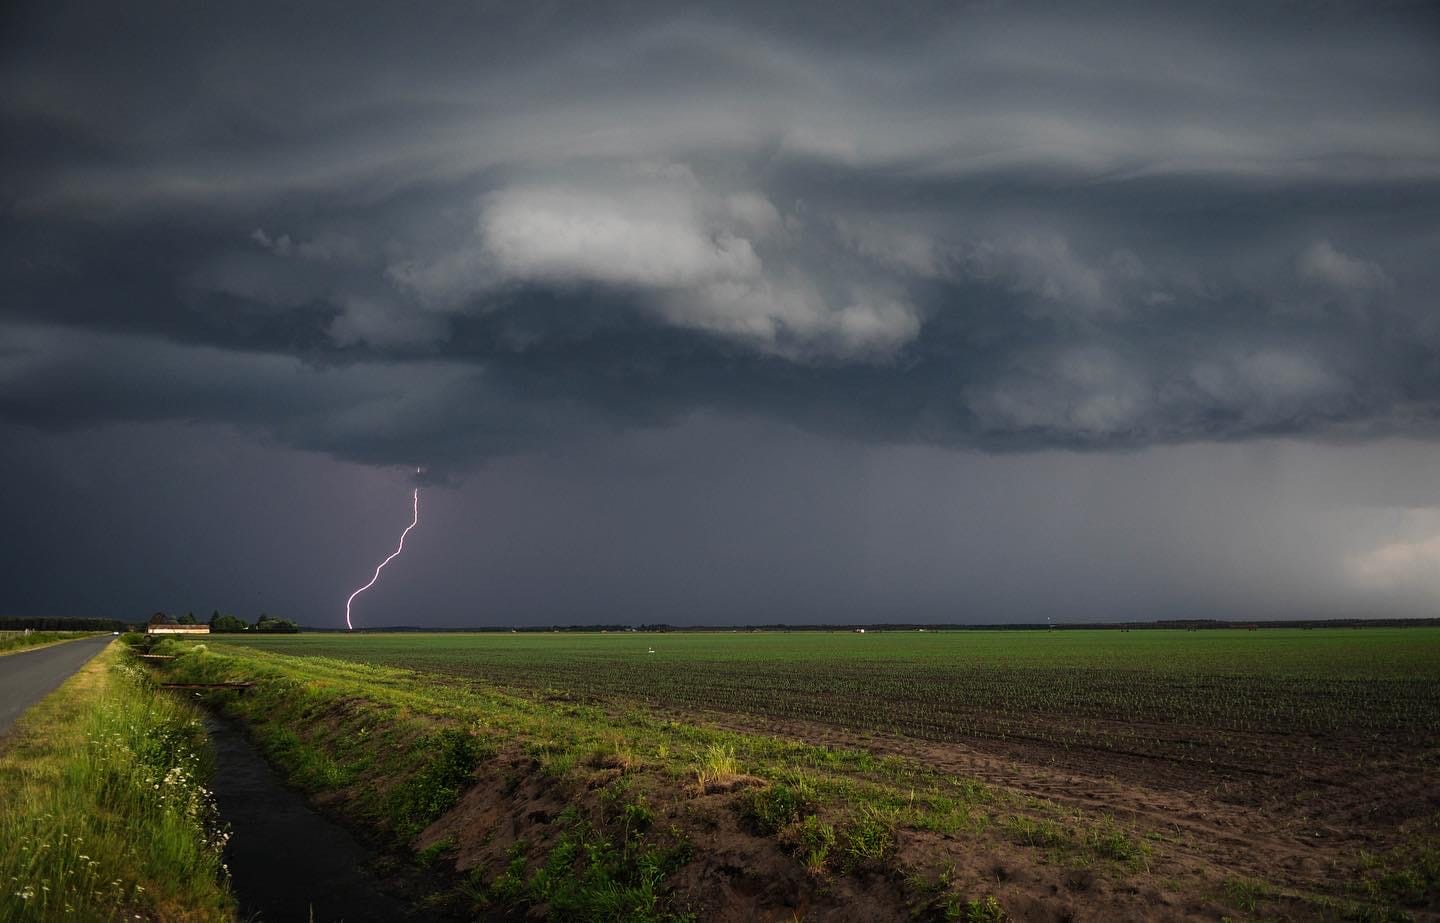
[{"x": 104, "y": 815}]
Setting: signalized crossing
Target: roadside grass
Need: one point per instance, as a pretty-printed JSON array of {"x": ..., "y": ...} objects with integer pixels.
[
  {"x": 394, "y": 748},
  {"x": 12, "y": 641},
  {"x": 104, "y": 814}
]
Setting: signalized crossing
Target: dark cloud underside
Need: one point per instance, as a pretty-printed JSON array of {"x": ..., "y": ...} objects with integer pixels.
[{"x": 1001, "y": 227}]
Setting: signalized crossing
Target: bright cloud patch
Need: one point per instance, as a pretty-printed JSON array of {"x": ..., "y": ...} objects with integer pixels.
[
  {"x": 688, "y": 256},
  {"x": 651, "y": 238},
  {"x": 1399, "y": 565},
  {"x": 1322, "y": 264}
]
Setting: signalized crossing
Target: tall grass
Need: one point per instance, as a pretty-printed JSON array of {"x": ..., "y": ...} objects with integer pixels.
[
  {"x": 104, "y": 815},
  {"x": 717, "y": 765}
]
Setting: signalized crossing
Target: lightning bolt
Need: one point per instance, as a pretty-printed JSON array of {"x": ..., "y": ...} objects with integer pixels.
[{"x": 413, "y": 523}]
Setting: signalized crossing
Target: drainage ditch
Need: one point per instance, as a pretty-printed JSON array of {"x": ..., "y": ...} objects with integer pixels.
[{"x": 287, "y": 862}]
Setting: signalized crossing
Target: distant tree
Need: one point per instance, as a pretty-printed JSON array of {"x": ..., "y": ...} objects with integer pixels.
[
  {"x": 187, "y": 619},
  {"x": 268, "y": 623},
  {"x": 222, "y": 623},
  {"x": 59, "y": 623}
]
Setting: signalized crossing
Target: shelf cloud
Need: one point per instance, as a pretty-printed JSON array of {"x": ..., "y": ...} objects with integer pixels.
[{"x": 1005, "y": 227}]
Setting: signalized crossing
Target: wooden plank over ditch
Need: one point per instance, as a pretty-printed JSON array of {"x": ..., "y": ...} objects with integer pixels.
[{"x": 202, "y": 686}]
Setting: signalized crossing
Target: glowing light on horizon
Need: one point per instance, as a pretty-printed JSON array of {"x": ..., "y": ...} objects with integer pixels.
[{"x": 393, "y": 555}]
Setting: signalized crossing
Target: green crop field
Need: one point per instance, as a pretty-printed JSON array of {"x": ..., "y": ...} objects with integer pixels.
[{"x": 1189, "y": 697}]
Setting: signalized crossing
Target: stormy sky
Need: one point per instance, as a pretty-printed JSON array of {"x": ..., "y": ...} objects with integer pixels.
[{"x": 721, "y": 313}]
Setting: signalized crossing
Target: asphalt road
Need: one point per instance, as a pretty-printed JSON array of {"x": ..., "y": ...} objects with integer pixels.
[{"x": 27, "y": 677}]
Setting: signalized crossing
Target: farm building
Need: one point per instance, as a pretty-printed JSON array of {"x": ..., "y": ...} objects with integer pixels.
[{"x": 162, "y": 624}]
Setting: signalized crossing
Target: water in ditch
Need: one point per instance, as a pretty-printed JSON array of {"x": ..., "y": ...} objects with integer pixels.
[{"x": 287, "y": 862}]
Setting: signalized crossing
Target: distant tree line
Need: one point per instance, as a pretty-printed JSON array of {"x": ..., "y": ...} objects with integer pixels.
[
  {"x": 1169, "y": 624},
  {"x": 221, "y": 623},
  {"x": 59, "y": 623}
]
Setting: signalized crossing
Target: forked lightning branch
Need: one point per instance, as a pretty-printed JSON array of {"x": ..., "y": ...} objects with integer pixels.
[{"x": 393, "y": 555}]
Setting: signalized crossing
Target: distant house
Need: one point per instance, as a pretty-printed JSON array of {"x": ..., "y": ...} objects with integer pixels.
[{"x": 162, "y": 624}]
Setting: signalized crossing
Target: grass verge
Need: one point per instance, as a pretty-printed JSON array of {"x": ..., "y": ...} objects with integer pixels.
[
  {"x": 13, "y": 641},
  {"x": 104, "y": 815}
]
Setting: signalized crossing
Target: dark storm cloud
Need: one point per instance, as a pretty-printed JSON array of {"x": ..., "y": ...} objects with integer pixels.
[{"x": 441, "y": 234}]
